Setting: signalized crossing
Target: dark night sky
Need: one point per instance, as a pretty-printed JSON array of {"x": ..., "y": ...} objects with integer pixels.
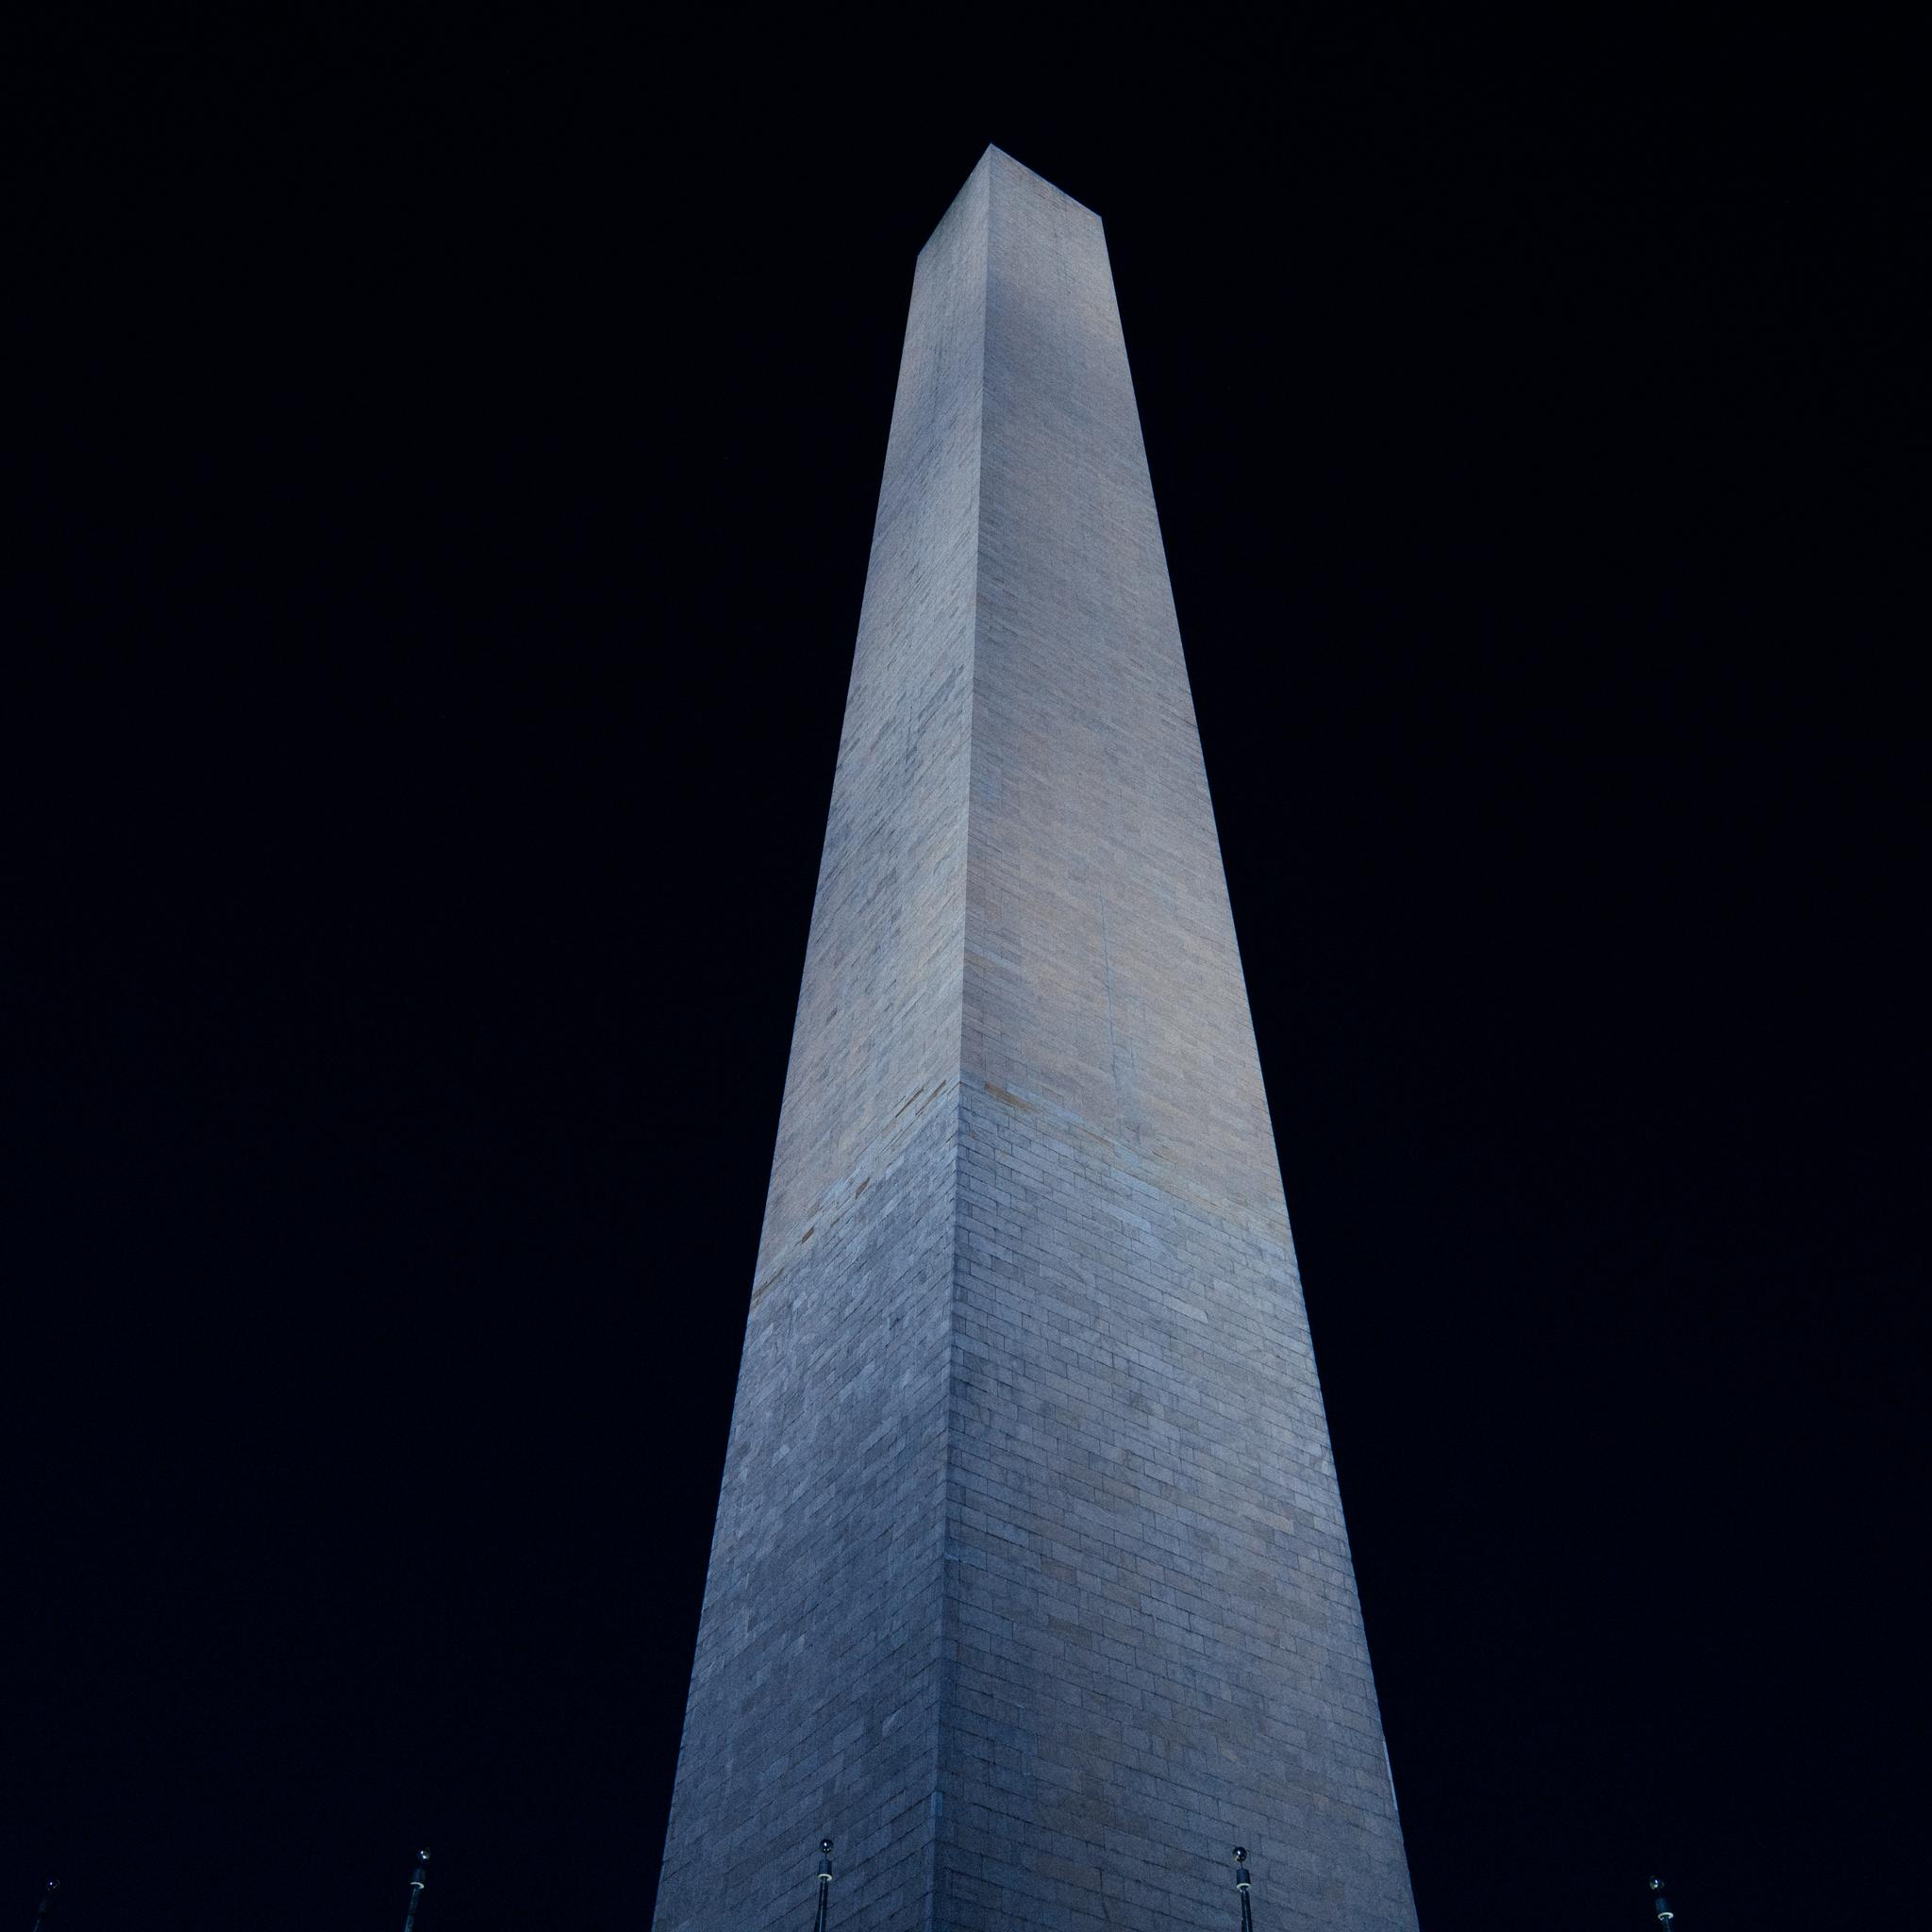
[{"x": 451, "y": 451}]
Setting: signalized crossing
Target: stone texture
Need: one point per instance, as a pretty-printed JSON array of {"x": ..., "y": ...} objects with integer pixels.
[{"x": 1030, "y": 1584}]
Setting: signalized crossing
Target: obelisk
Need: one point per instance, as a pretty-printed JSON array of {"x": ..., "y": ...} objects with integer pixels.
[{"x": 1029, "y": 1587}]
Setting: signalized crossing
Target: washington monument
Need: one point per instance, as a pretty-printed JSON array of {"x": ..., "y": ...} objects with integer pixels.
[{"x": 1029, "y": 1587}]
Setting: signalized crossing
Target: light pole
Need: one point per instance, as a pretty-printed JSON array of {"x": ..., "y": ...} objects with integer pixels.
[
  {"x": 1241, "y": 1876},
  {"x": 1664, "y": 1913},
  {"x": 416, "y": 1884},
  {"x": 47, "y": 1909},
  {"x": 825, "y": 1884}
]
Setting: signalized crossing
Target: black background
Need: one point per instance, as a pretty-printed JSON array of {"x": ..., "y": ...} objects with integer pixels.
[{"x": 451, "y": 447}]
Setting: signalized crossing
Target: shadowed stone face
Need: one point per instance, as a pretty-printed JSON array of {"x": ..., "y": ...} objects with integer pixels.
[{"x": 1030, "y": 1584}]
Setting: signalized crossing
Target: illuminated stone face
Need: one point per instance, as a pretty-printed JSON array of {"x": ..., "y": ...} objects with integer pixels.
[{"x": 1029, "y": 1585}]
